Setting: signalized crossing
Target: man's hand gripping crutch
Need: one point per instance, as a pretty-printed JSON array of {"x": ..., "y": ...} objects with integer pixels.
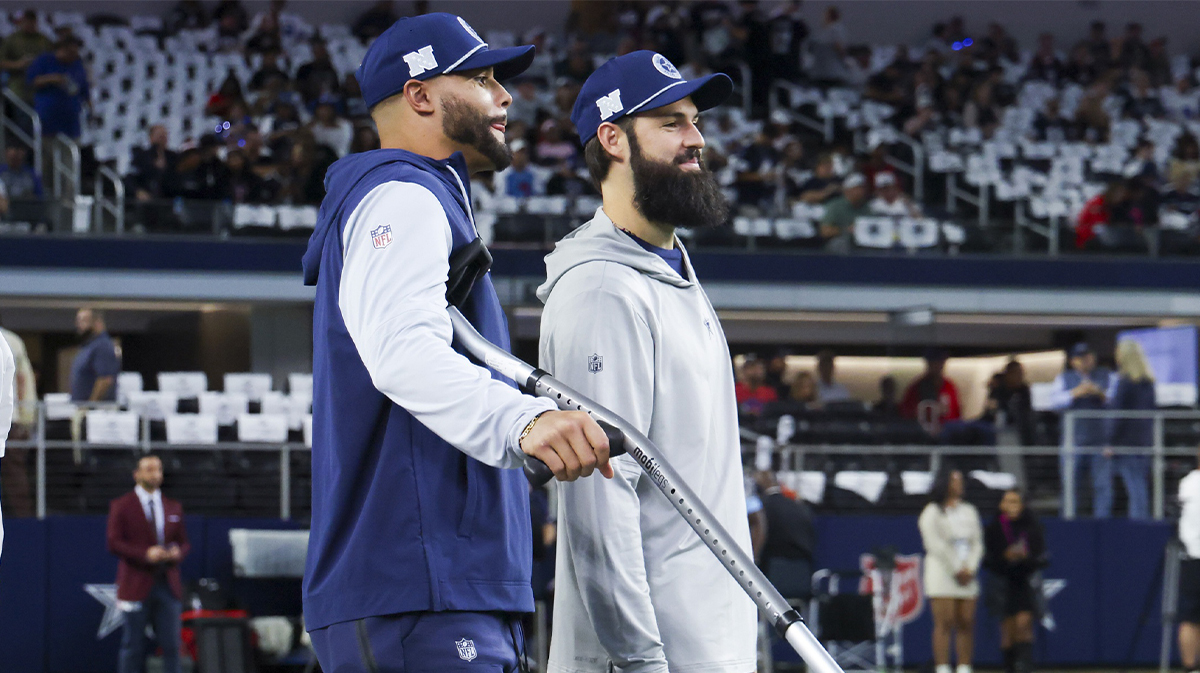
[{"x": 534, "y": 381}]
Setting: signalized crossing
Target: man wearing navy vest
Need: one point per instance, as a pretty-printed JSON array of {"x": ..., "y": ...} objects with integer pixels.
[
  {"x": 1084, "y": 386},
  {"x": 420, "y": 553}
]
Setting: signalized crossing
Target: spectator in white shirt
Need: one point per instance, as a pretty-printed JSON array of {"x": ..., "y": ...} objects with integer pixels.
[
  {"x": 1188, "y": 610},
  {"x": 330, "y": 130},
  {"x": 890, "y": 199},
  {"x": 829, "y": 390}
]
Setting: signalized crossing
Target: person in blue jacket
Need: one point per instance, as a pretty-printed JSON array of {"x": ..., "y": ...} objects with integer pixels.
[
  {"x": 1086, "y": 387},
  {"x": 420, "y": 553},
  {"x": 60, "y": 88},
  {"x": 1134, "y": 392}
]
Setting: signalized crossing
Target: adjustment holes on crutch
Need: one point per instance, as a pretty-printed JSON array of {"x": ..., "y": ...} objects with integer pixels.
[
  {"x": 760, "y": 594},
  {"x": 689, "y": 511},
  {"x": 673, "y": 493},
  {"x": 741, "y": 572}
]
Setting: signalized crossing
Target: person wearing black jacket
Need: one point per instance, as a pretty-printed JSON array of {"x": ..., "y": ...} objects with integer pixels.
[
  {"x": 787, "y": 554},
  {"x": 1009, "y": 394},
  {"x": 1014, "y": 551}
]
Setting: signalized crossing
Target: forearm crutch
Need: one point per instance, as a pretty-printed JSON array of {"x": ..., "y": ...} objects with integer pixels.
[{"x": 770, "y": 602}]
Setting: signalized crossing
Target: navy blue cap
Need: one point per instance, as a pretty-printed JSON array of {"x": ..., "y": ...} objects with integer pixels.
[
  {"x": 1080, "y": 349},
  {"x": 639, "y": 81},
  {"x": 425, "y": 46}
]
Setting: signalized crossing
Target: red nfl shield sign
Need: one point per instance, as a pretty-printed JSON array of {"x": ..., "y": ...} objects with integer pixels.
[
  {"x": 381, "y": 236},
  {"x": 908, "y": 590}
]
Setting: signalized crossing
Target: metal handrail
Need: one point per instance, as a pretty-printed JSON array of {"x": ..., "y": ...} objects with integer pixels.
[
  {"x": 823, "y": 126},
  {"x": 747, "y": 89},
  {"x": 64, "y": 170},
  {"x": 955, "y": 194},
  {"x": 792, "y": 454},
  {"x": 34, "y": 141},
  {"x": 115, "y": 206}
]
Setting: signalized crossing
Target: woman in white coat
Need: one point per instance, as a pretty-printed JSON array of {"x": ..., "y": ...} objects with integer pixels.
[{"x": 953, "y": 538}]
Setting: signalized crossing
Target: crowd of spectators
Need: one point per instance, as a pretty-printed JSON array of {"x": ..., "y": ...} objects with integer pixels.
[
  {"x": 767, "y": 388},
  {"x": 279, "y": 129}
]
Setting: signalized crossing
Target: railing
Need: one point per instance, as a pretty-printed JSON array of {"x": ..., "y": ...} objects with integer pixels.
[
  {"x": 1046, "y": 473},
  {"x": 981, "y": 201},
  {"x": 114, "y": 206},
  {"x": 1157, "y": 451},
  {"x": 65, "y": 167},
  {"x": 31, "y": 137},
  {"x": 914, "y": 169},
  {"x": 74, "y": 453}
]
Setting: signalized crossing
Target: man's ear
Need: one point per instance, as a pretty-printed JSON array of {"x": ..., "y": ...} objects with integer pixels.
[
  {"x": 614, "y": 141},
  {"x": 419, "y": 96}
]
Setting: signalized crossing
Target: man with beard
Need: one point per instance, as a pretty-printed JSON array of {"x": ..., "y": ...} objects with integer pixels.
[
  {"x": 627, "y": 323},
  {"x": 95, "y": 367},
  {"x": 419, "y": 556}
]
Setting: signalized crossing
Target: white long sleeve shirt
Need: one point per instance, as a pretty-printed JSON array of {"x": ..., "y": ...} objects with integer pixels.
[
  {"x": 1189, "y": 518},
  {"x": 8, "y": 396},
  {"x": 393, "y": 300}
]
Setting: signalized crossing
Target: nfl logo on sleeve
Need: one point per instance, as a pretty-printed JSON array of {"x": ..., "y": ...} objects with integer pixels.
[{"x": 381, "y": 236}]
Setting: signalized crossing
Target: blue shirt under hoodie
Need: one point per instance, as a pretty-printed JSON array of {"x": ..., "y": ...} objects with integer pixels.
[{"x": 401, "y": 520}]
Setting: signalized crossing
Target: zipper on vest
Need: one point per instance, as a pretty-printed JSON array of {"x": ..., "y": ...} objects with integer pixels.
[{"x": 466, "y": 199}]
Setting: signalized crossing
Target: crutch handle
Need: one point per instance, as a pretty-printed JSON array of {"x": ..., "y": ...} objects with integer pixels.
[{"x": 539, "y": 474}]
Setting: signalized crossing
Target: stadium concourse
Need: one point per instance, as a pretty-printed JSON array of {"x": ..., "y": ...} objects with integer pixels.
[{"x": 950, "y": 224}]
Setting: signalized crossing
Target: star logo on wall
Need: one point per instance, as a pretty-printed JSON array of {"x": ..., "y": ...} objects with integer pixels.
[
  {"x": 114, "y": 617},
  {"x": 1050, "y": 589}
]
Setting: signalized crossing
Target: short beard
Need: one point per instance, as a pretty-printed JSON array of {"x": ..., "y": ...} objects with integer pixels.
[
  {"x": 467, "y": 126},
  {"x": 669, "y": 196}
]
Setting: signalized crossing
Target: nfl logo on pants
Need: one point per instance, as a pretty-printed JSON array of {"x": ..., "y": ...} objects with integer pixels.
[{"x": 466, "y": 649}]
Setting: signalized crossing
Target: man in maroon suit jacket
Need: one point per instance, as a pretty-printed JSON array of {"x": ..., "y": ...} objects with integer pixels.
[{"x": 146, "y": 532}]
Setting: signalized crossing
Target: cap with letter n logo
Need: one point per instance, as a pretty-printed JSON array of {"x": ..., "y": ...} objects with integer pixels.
[
  {"x": 637, "y": 82},
  {"x": 610, "y": 105},
  {"x": 420, "y": 60},
  {"x": 431, "y": 45}
]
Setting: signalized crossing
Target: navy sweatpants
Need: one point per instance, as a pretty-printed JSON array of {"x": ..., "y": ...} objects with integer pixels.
[{"x": 421, "y": 642}]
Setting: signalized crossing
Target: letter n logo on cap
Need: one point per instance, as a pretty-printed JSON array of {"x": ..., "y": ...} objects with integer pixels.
[
  {"x": 610, "y": 105},
  {"x": 420, "y": 60}
]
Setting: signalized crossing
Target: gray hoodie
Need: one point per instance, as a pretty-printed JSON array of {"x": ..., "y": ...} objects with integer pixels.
[{"x": 634, "y": 585}]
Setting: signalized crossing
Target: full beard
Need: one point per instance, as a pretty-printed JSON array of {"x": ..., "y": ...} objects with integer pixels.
[
  {"x": 468, "y": 126},
  {"x": 669, "y": 196}
]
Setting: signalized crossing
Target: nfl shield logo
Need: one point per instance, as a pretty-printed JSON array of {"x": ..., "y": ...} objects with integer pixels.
[
  {"x": 466, "y": 649},
  {"x": 381, "y": 237},
  {"x": 595, "y": 363}
]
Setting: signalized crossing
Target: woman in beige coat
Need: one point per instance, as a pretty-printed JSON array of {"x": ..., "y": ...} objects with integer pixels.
[{"x": 953, "y": 538}]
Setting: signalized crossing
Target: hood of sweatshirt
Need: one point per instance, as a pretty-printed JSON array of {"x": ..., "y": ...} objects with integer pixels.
[
  {"x": 599, "y": 240},
  {"x": 346, "y": 173}
]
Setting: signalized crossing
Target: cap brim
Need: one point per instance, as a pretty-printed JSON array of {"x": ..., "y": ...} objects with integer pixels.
[
  {"x": 506, "y": 63},
  {"x": 706, "y": 92}
]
